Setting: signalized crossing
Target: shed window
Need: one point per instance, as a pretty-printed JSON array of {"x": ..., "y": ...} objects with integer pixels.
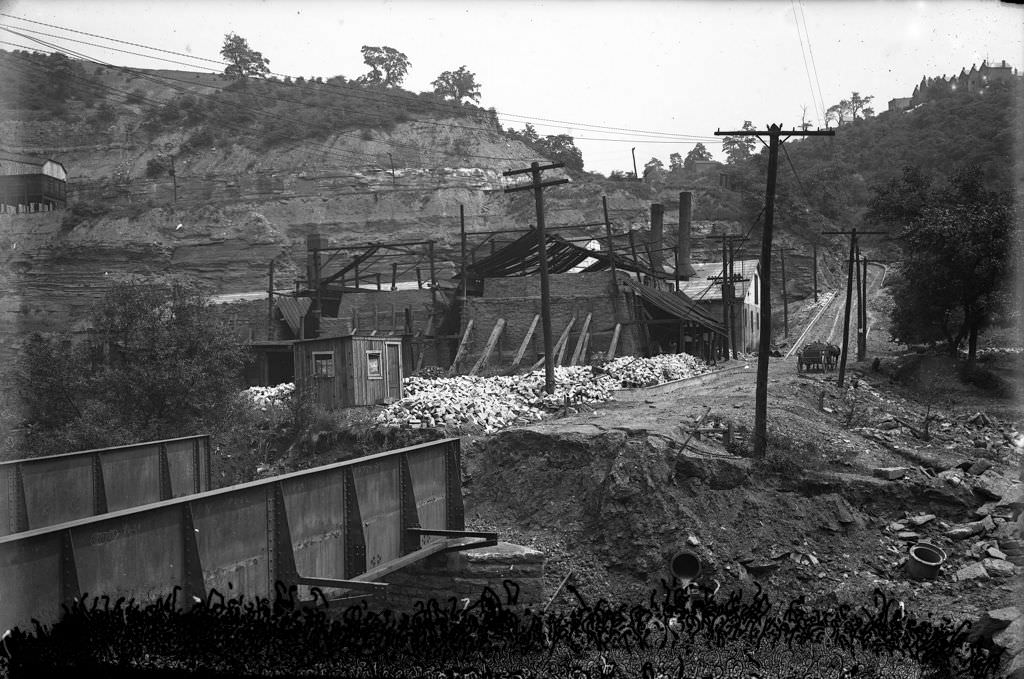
[
  {"x": 323, "y": 364},
  {"x": 374, "y": 366}
]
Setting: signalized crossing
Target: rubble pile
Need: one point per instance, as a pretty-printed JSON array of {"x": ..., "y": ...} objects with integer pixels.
[
  {"x": 647, "y": 372},
  {"x": 269, "y": 397},
  {"x": 492, "y": 403}
]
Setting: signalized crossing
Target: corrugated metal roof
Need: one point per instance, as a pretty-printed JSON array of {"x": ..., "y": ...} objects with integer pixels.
[
  {"x": 521, "y": 257},
  {"x": 699, "y": 288},
  {"x": 679, "y": 305}
]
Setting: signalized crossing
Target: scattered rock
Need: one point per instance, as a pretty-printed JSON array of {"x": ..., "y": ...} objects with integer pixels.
[
  {"x": 896, "y": 526},
  {"x": 974, "y": 571},
  {"x": 999, "y": 568},
  {"x": 920, "y": 520},
  {"x": 908, "y": 535},
  {"x": 992, "y": 622},
  {"x": 995, "y": 553},
  {"x": 979, "y": 467},
  {"x": 693, "y": 541},
  {"x": 991, "y": 485},
  {"x": 965, "y": 530},
  {"x": 888, "y": 425},
  {"x": 890, "y": 473}
]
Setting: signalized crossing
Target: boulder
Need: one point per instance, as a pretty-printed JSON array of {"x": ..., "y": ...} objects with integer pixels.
[
  {"x": 993, "y": 622},
  {"x": 974, "y": 571},
  {"x": 999, "y": 568},
  {"x": 991, "y": 485},
  {"x": 920, "y": 519},
  {"x": 890, "y": 473},
  {"x": 979, "y": 467}
]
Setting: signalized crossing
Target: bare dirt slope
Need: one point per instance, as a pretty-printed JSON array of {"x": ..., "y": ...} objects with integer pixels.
[{"x": 613, "y": 493}]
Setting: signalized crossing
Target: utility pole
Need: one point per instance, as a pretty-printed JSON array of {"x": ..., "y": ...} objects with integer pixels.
[
  {"x": 270, "y": 302},
  {"x": 174, "y": 180},
  {"x": 542, "y": 253},
  {"x": 862, "y": 343},
  {"x": 611, "y": 259},
  {"x": 392, "y": 169},
  {"x": 785, "y": 295},
  {"x": 814, "y": 271},
  {"x": 774, "y": 132},
  {"x": 462, "y": 241},
  {"x": 635, "y": 174},
  {"x": 849, "y": 293},
  {"x": 728, "y": 280},
  {"x": 860, "y": 306}
]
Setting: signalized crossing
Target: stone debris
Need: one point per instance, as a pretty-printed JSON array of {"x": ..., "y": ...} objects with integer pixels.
[
  {"x": 890, "y": 473},
  {"x": 494, "y": 403},
  {"x": 920, "y": 519},
  {"x": 973, "y": 571},
  {"x": 999, "y": 568}
]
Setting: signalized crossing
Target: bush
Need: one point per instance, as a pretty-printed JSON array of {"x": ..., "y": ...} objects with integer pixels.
[
  {"x": 984, "y": 379},
  {"x": 79, "y": 213},
  {"x": 786, "y": 456},
  {"x": 156, "y": 167}
]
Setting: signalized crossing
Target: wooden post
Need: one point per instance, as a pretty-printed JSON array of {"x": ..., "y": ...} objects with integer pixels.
[
  {"x": 583, "y": 360},
  {"x": 270, "y": 302},
  {"x": 611, "y": 259},
  {"x": 462, "y": 247},
  {"x": 579, "y": 342},
  {"x": 433, "y": 275},
  {"x": 558, "y": 346},
  {"x": 526, "y": 342},
  {"x": 814, "y": 271},
  {"x": 491, "y": 341},
  {"x": 462, "y": 347},
  {"x": 394, "y": 275},
  {"x": 378, "y": 281},
  {"x": 614, "y": 343},
  {"x": 419, "y": 279},
  {"x": 632, "y": 246},
  {"x": 423, "y": 342},
  {"x": 563, "y": 342}
]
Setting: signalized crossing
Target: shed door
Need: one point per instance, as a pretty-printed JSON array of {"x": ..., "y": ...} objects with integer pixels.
[{"x": 393, "y": 359}]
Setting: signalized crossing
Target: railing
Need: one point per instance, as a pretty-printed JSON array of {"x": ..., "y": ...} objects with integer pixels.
[
  {"x": 338, "y": 527},
  {"x": 44, "y": 491}
]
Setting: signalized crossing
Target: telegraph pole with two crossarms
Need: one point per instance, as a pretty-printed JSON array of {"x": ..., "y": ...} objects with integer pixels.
[
  {"x": 853, "y": 263},
  {"x": 545, "y": 295},
  {"x": 728, "y": 280},
  {"x": 774, "y": 134}
]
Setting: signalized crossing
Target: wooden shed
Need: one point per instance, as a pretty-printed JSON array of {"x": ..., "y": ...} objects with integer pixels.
[{"x": 352, "y": 370}]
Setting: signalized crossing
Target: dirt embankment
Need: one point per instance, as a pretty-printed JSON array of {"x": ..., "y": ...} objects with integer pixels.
[{"x": 613, "y": 494}]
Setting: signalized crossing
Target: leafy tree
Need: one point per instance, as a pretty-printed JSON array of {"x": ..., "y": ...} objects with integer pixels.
[
  {"x": 155, "y": 363},
  {"x": 698, "y": 152},
  {"x": 654, "y": 170},
  {"x": 849, "y": 110},
  {"x": 243, "y": 61},
  {"x": 561, "y": 148},
  {"x": 387, "y": 65},
  {"x": 675, "y": 162},
  {"x": 738, "y": 149},
  {"x": 457, "y": 85},
  {"x": 953, "y": 283},
  {"x": 901, "y": 200}
]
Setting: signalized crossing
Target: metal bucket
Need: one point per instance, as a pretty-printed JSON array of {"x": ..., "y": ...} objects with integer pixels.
[
  {"x": 685, "y": 566},
  {"x": 924, "y": 561}
]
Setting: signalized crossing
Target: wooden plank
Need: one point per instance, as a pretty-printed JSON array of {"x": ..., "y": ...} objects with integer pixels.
[
  {"x": 579, "y": 342},
  {"x": 423, "y": 345},
  {"x": 491, "y": 341},
  {"x": 462, "y": 347},
  {"x": 559, "y": 345},
  {"x": 526, "y": 342},
  {"x": 615, "y": 341},
  {"x": 586, "y": 349}
]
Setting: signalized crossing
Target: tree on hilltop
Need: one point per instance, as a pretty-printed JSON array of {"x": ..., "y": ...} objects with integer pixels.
[
  {"x": 849, "y": 110},
  {"x": 738, "y": 149},
  {"x": 243, "y": 60},
  {"x": 457, "y": 85},
  {"x": 388, "y": 66},
  {"x": 698, "y": 152}
]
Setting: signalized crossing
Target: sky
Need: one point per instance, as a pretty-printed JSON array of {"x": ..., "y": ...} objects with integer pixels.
[{"x": 609, "y": 71}]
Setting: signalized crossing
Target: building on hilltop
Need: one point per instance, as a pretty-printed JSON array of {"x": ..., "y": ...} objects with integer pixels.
[
  {"x": 974, "y": 81},
  {"x": 900, "y": 104},
  {"x": 30, "y": 184}
]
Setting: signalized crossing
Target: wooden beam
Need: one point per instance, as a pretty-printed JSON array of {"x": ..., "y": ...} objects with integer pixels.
[
  {"x": 491, "y": 341},
  {"x": 586, "y": 348},
  {"x": 579, "y": 342},
  {"x": 563, "y": 342},
  {"x": 558, "y": 345},
  {"x": 615, "y": 342},
  {"x": 462, "y": 347},
  {"x": 423, "y": 346},
  {"x": 526, "y": 343}
]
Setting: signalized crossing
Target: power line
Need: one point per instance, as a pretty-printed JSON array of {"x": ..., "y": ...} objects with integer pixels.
[
  {"x": 810, "y": 50},
  {"x": 803, "y": 54}
]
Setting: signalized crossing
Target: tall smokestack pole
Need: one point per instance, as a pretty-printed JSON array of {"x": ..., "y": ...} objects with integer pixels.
[
  {"x": 657, "y": 237},
  {"x": 684, "y": 269}
]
